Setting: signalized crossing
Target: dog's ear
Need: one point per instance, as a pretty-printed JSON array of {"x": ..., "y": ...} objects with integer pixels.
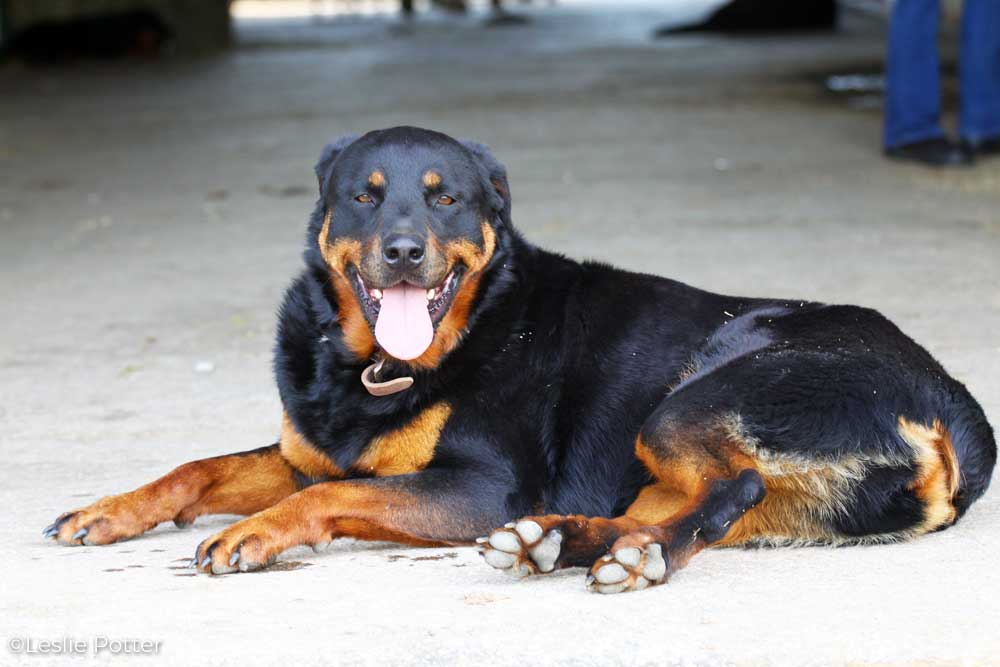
[
  {"x": 496, "y": 173},
  {"x": 327, "y": 157}
]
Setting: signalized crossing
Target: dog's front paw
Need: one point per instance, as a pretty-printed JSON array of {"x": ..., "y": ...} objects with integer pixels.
[
  {"x": 245, "y": 546},
  {"x": 522, "y": 548},
  {"x": 109, "y": 520},
  {"x": 252, "y": 544}
]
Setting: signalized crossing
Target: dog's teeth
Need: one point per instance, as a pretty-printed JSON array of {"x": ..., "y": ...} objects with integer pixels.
[
  {"x": 377, "y": 294},
  {"x": 430, "y": 294}
]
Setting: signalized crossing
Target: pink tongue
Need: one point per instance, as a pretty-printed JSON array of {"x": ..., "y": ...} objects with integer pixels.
[{"x": 403, "y": 327}]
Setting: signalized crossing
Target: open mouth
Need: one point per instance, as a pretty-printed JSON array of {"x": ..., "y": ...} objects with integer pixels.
[
  {"x": 438, "y": 298},
  {"x": 404, "y": 315}
]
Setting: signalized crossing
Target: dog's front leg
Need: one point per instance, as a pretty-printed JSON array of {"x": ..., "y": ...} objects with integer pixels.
[
  {"x": 242, "y": 483},
  {"x": 429, "y": 508}
]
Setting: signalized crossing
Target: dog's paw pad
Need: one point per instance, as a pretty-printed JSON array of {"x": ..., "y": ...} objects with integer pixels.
[
  {"x": 522, "y": 548},
  {"x": 628, "y": 569}
]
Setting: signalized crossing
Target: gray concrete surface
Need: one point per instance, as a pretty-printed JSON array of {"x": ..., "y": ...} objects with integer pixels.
[{"x": 152, "y": 214}]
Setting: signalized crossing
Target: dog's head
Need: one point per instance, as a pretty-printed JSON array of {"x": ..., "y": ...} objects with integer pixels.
[{"x": 408, "y": 222}]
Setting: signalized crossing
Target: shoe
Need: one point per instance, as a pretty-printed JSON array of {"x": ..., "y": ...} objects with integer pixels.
[
  {"x": 984, "y": 147},
  {"x": 940, "y": 152}
]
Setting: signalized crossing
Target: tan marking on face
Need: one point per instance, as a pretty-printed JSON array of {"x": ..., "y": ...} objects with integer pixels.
[
  {"x": 303, "y": 455},
  {"x": 407, "y": 449},
  {"x": 340, "y": 253},
  {"x": 470, "y": 254},
  {"x": 431, "y": 179},
  {"x": 452, "y": 326},
  {"x": 376, "y": 179},
  {"x": 338, "y": 256}
]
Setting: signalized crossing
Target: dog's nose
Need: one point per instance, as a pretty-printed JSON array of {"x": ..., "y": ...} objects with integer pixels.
[{"x": 403, "y": 251}]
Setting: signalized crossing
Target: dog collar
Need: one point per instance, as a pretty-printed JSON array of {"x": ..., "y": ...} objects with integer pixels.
[{"x": 369, "y": 378}]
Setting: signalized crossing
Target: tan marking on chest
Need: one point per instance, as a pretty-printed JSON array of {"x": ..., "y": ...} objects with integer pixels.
[
  {"x": 407, "y": 449},
  {"x": 303, "y": 455}
]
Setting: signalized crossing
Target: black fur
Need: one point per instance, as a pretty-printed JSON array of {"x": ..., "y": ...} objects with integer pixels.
[{"x": 564, "y": 362}]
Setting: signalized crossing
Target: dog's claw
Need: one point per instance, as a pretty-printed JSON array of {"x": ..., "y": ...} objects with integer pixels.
[
  {"x": 234, "y": 559},
  {"x": 204, "y": 563},
  {"x": 52, "y": 530},
  {"x": 79, "y": 534}
]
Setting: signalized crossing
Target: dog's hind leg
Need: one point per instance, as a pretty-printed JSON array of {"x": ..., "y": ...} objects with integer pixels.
[
  {"x": 755, "y": 452},
  {"x": 649, "y": 555},
  {"x": 685, "y": 477},
  {"x": 242, "y": 483},
  {"x": 764, "y": 455}
]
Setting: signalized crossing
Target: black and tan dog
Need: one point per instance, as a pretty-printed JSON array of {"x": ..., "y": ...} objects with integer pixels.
[{"x": 440, "y": 377}]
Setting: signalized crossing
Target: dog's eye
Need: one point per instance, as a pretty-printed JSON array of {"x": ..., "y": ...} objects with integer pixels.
[
  {"x": 364, "y": 198},
  {"x": 445, "y": 200}
]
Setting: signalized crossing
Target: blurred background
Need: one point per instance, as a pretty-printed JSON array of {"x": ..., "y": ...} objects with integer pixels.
[
  {"x": 156, "y": 177},
  {"x": 156, "y": 166}
]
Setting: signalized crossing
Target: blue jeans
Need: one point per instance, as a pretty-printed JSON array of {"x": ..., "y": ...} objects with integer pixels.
[{"x": 913, "y": 78}]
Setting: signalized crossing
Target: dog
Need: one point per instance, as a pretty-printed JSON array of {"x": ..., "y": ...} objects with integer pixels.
[{"x": 442, "y": 379}]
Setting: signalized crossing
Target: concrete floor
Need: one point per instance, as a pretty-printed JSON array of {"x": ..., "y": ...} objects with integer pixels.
[{"x": 152, "y": 214}]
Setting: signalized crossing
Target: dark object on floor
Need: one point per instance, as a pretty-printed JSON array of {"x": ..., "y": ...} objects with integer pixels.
[
  {"x": 764, "y": 16},
  {"x": 501, "y": 18},
  {"x": 106, "y": 36},
  {"x": 940, "y": 152},
  {"x": 984, "y": 148},
  {"x": 457, "y": 6}
]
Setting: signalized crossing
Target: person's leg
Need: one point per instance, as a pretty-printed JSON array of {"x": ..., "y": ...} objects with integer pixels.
[
  {"x": 913, "y": 88},
  {"x": 980, "y": 71}
]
